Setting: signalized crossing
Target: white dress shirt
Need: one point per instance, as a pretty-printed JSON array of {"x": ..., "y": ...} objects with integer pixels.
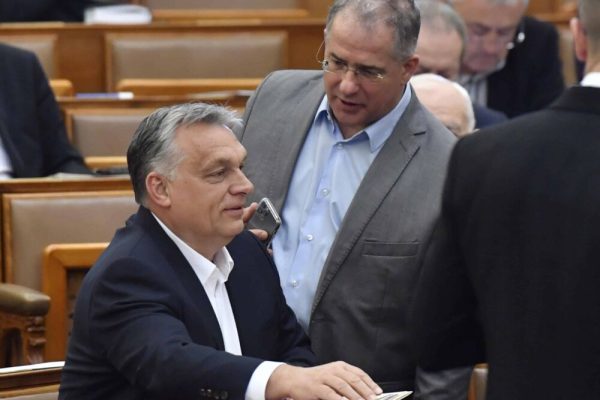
[
  {"x": 327, "y": 174},
  {"x": 212, "y": 276},
  {"x": 591, "y": 79}
]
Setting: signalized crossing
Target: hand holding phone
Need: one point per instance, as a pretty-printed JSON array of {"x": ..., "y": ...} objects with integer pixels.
[{"x": 265, "y": 218}]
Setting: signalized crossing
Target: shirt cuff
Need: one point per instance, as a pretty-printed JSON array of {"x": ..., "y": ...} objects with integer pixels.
[{"x": 258, "y": 381}]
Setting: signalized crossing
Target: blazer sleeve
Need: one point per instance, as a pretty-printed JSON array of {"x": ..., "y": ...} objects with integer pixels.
[
  {"x": 135, "y": 322},
  {"x": 446, "y": 331},
  {"x": 58, "y": 153}
]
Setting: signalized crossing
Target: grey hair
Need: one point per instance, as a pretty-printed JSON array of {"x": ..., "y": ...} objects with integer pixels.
[
  {"x": 439, "y": 16},
  {"x": 153, "y": 148},
  {"x": 400, "y": 15}
]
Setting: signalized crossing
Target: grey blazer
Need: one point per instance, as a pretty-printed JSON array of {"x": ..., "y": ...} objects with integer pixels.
[{"x": 361, "y": 306}]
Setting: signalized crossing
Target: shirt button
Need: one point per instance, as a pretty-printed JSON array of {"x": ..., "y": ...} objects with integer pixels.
[
  {"x": 295, "y": 283},
  {"x": 339, "y": 146},
  {"x": 325, "y": 192},
  {"x": 309, "y": 237}
]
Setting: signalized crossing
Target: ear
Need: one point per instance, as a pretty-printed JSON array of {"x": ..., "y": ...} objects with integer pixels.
[
  {"x": 157, "y": 187},
  {"x": 410, "y": 67},
  {"x": 579, "y": 39}
]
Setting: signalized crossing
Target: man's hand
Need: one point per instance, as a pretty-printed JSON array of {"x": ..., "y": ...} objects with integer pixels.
[
  {"x": 248, "y": 213},
  {"x": 332, "y": 381}
]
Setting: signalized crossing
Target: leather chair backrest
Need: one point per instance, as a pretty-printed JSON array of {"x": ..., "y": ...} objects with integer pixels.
[
  {"x": 32, "y": 221},
  {"x": 220, "y": 4},
  {"x": 567, "y": 55},
  {"x": 195, "y": 55},
  {"x": 44, "y": 47},
  {"x": 103, "y": 132}
]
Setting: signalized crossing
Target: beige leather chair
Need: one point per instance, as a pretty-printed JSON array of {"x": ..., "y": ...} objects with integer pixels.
[
  {"x": 103, "y": 132},
  {"x": 194, "y": 55},
  {"x": 44, "y": 47},
  {"x": 567, "y": 55},
  {"x": 32, "y": 221}
]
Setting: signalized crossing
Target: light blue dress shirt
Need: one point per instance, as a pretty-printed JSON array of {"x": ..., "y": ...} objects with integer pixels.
[{"x": 326, "y": 177}]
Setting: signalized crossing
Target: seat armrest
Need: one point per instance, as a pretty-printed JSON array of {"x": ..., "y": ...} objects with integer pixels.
[{"x": 22, "y": 300}]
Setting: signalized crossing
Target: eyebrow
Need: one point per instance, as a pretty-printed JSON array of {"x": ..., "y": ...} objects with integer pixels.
[
  {"x": 221, "y": 161},
  {"x": 362, "y": 66}
]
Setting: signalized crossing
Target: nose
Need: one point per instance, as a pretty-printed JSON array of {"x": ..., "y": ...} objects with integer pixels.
[
  {"x": 348, "y": 82},
  {"x": 493, "y": 44},
  {"x": 243, "y": 186}
]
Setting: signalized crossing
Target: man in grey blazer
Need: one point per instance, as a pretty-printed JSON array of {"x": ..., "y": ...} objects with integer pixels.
[{"x": 355, "y": 165}]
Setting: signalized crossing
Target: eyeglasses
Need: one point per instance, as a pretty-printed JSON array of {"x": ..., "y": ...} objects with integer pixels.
[{"x": 362, "y": 74}]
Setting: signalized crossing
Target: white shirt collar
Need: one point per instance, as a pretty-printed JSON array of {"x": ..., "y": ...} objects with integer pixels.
[
  {"x": 591, "y": 79},
  {"x": 218, "y": 269}
]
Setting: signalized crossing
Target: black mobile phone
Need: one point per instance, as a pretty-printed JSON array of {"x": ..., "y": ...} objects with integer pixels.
[{"x": 266, "y": 218}]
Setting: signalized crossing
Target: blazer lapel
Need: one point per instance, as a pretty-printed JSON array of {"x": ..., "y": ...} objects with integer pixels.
[
  {"x": 382, "y": 175},
  {"x": 290, "y": 133},
  {"x": 17, "y": 163},
  {"x": 186, "y": 276}
]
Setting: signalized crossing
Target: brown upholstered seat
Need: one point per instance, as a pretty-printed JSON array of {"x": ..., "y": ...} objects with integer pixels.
[
  {"x": 44, "y": 47},
  {"x": 32, "y": 221},
  {"x": 194, "y": 56},
  {"x": 567, "y": 55},
  {"x": 103, "y": 132}
]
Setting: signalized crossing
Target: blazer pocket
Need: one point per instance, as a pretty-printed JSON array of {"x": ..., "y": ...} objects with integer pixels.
[{"x": 390, "y": 249}]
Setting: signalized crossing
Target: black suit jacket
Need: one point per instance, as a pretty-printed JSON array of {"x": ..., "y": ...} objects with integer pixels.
[
  {"x": 532, "y": 77},
  {"x": 144, "y": 327},
  {"x": 512, "y": 274},
  {"x": 31, "y": 128},
  {"x": 45, "y": 10}
]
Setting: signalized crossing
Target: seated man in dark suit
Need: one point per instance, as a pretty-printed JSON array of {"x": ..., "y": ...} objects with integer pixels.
[
  {"x": 441, "y": 46},
  {"x": 512, "y": 62},
  {"x": 183, "y": 304},
  {"x": 33, "y": 138}
]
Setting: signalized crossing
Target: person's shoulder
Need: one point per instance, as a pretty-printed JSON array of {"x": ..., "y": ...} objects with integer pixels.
[
  {"x": 13, "y": 53},
  {"x": 292, "y": 77},
  {"x": 534, "y": 28},
  {"x": 245, "y": 242}
]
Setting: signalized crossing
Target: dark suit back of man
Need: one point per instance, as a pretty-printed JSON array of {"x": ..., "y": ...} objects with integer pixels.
[{"x": 517, "y": 255}]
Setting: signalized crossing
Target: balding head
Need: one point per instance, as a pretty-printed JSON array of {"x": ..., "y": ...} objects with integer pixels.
[{"x": 448, "y": 101}]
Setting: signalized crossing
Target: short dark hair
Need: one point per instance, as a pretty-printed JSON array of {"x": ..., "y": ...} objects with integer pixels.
[
  {"x": 401, "y": 15},
  {"x": 153, "y": 148}
]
